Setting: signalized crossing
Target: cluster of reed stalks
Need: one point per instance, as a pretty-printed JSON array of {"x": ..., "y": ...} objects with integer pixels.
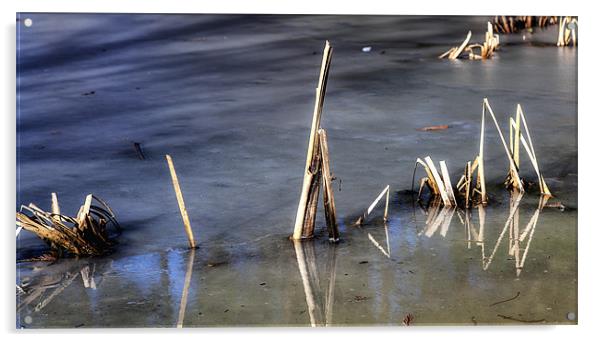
[
  {"x": 567, "y": 31},
  {"x": 483, "y": 51},
  {"x": 438, "y": 183},
  {"x": 85, "y": 234},
  {"x": 471, "y": 187},
  {"x": 512, "y": 24},
  {"x": 317, "y": 168}
]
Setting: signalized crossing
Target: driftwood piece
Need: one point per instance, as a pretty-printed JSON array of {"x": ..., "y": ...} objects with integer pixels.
[
  {"x": 307, "y": 191},
  {"x": 329, "y": 204},
  {"x": 180, "y": 198},
  {"x": 433, "y": 128}
]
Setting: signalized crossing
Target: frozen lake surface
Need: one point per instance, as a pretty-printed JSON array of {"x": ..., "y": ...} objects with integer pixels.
[{"x": 230, "y": 98}]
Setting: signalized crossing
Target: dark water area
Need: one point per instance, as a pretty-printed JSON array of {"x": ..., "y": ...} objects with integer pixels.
[{"x": 230, "y": 98}]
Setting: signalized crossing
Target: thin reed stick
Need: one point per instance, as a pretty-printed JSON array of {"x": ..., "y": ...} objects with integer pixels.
[{"x": 180, "y": 197}]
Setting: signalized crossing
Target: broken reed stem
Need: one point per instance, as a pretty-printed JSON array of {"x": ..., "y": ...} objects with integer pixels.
[
  {"x": 180, "y": 197},
  {"x": 455, "y": 52},
  {"x": 84, "y": 210},
  {"x": 55, "y": 208},
  {"x": 55, "y": 204},
  {"x": 429, "y": 180},
  {"x": 480, "y": 186},
  {"x": 386, "y": 214},
  {"x": 364, "y": 216},
  {"x": 311, "y": 209},
  {"x": 468, "y": 175},
  {"x": 442, "y": 190},
  {"x": 312, "y": 149},
  {"x": 447, "y": 183},
  {"x": 329, "y": 205},
  {"x": 461, "y": 48},
  {"x": 439, "y": 184},
  {"x": 497, "y": 126},
  {"x": 528, "y": 146}
]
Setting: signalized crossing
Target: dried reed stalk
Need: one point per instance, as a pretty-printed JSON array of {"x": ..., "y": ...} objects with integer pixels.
[
  {"x": 329, "y": 205},
  {"x": 83, "y": 235},
  {"x": 491, "y": 43},
  {"x": 512, "y": 24},
  {"x": 567, "y": 31},
  {"x": 513, "y": 180},
  {"x": 514, "y": 175},
  {"x": 180, "y": 198},
  {"x": 515, "y": 125},
  {"x": 455, "y": 52},
  {"x": 308, "y": 193},
  {"x": 439, "y": 185},
  {"x": 365, "y": 215}
]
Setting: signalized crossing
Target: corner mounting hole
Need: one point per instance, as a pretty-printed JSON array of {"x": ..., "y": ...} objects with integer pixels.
[
  {"x": 28, "y": 22},
  {"x": 571, "y": 316}
]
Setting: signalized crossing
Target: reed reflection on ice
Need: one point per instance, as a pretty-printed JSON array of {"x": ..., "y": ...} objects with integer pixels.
[
  {"x": 184, "y": 299},
  {"x": 439, "y": 219},
  {"x": 319, "y": 308}
]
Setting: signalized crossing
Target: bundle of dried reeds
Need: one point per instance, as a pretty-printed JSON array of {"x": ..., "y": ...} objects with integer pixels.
[
  {"x": 85, "y": 234},
  {"x": 477, "y": 194},
  {"x": 491, "y": 43},
  {"x": 511, "y": 24},
  {"x": 439, "y": 184},
  {"x": 472, "y": 187},
  {"x": 317, "y": 168},
  {"x": 516, "y": 138},
  {"x": 567, "y": 31},
  {"x": 485, "y": 50}
]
